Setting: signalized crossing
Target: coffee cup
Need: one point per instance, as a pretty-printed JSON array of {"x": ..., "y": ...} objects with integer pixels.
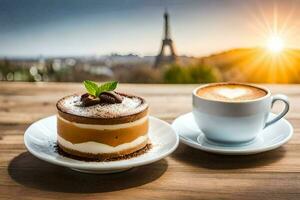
[{"x": 234, "y": 112}]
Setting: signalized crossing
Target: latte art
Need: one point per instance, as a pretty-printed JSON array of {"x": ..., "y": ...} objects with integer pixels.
[{"x": 231, "y": 92}]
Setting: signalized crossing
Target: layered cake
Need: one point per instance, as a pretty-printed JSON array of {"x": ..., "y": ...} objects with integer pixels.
[{"x": 106, "y": 126}]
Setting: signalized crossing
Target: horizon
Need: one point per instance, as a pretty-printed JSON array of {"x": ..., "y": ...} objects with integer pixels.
[
  {"x": 141, "y": 56},
  {"x": 75, "y": 28}
]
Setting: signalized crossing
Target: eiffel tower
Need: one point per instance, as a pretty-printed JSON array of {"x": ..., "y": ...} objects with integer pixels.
[{"x": 161, "y": 58}]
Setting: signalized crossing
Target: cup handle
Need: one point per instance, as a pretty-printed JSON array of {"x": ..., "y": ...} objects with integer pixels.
[{"x": 285, "y": 100}]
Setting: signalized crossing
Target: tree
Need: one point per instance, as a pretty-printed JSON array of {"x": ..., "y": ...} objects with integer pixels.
[{"x": 196, "y": 73}]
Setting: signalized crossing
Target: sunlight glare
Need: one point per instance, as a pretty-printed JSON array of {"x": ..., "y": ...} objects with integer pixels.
[{"x": 275, "y": 44}]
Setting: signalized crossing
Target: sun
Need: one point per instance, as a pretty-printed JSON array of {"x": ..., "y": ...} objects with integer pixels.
[{"x": 275, "y": 44}]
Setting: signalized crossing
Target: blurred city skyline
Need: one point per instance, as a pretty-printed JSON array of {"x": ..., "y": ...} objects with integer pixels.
[{"x": 73, "y": 27}]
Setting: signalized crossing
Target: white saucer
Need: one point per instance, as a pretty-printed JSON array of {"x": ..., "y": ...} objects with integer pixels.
[
  {"x": 40, "y": 138},
  {"x": 270, "y": 138}
]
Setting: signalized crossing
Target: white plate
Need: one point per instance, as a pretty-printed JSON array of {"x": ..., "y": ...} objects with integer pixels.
[
  {"x": 270, "y": 138},
  {"x": 40, "y": 139}
]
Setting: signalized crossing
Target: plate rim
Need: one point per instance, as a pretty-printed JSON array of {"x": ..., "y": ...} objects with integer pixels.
[
  {"x": 196, "y": 145},
  {"x": 116, "y": 165}
]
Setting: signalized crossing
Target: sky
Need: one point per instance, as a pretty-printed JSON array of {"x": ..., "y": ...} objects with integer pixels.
[{"x": 95, "y": 27}]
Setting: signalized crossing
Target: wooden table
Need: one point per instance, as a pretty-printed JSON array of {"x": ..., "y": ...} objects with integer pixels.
[{"x": 186, "y": 174}]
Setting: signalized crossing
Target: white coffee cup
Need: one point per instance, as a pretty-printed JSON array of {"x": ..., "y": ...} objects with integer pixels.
[{"x": 235, "y": 122}]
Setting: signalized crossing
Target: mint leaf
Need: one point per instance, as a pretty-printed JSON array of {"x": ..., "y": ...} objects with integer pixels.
[
  {"x": 91, "y": 87},
  {"x": 108, "y": 86},
  {"x": 95, "y": 90}
]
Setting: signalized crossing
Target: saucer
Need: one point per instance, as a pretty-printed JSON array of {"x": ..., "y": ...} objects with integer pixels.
[
  {"x": 270, "y": 138},
  {"x": 40, "y": 139}
]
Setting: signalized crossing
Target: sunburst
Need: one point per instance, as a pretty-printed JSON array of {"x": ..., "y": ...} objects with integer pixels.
[
  {"x": 274, "y": 62},
  {"x": 275, "y": 44}
]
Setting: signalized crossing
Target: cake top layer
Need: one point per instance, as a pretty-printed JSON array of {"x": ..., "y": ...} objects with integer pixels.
[{"x": 130, "y": 105}]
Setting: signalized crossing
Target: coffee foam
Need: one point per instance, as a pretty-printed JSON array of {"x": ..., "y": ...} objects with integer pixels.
[{"x": 231, "y": 92}]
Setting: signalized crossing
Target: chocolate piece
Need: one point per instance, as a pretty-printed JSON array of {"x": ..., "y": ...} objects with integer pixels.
[
  {"x": 110, "y": 97},
  {"x": 85, "y": 95},
  {"x": 105, "y": 97},
  {"x": 89, "y": 100}
]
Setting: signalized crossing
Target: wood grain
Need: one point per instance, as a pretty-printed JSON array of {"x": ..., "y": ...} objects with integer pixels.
[{"x": 186, "y": 174}]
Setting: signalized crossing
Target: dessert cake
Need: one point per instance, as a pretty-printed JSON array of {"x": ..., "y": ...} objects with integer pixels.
[{"x": 106, "y": 126}]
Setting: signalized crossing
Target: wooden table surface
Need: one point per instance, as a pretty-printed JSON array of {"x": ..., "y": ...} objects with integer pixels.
[{"x": 186, "y": 174}]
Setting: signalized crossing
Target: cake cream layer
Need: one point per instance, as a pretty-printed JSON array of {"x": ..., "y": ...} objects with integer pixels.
[
  {"x": 112, "y": 135},
  {"x": 100, "y": 148}
]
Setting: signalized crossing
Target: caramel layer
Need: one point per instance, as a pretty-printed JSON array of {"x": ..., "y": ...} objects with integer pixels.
[{"x": 75, "y": 134}]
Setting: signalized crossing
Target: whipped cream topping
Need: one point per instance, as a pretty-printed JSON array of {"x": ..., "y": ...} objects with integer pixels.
[
  {"x": 130, "y": 105},
  {"x": 98, "y": 148}
]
